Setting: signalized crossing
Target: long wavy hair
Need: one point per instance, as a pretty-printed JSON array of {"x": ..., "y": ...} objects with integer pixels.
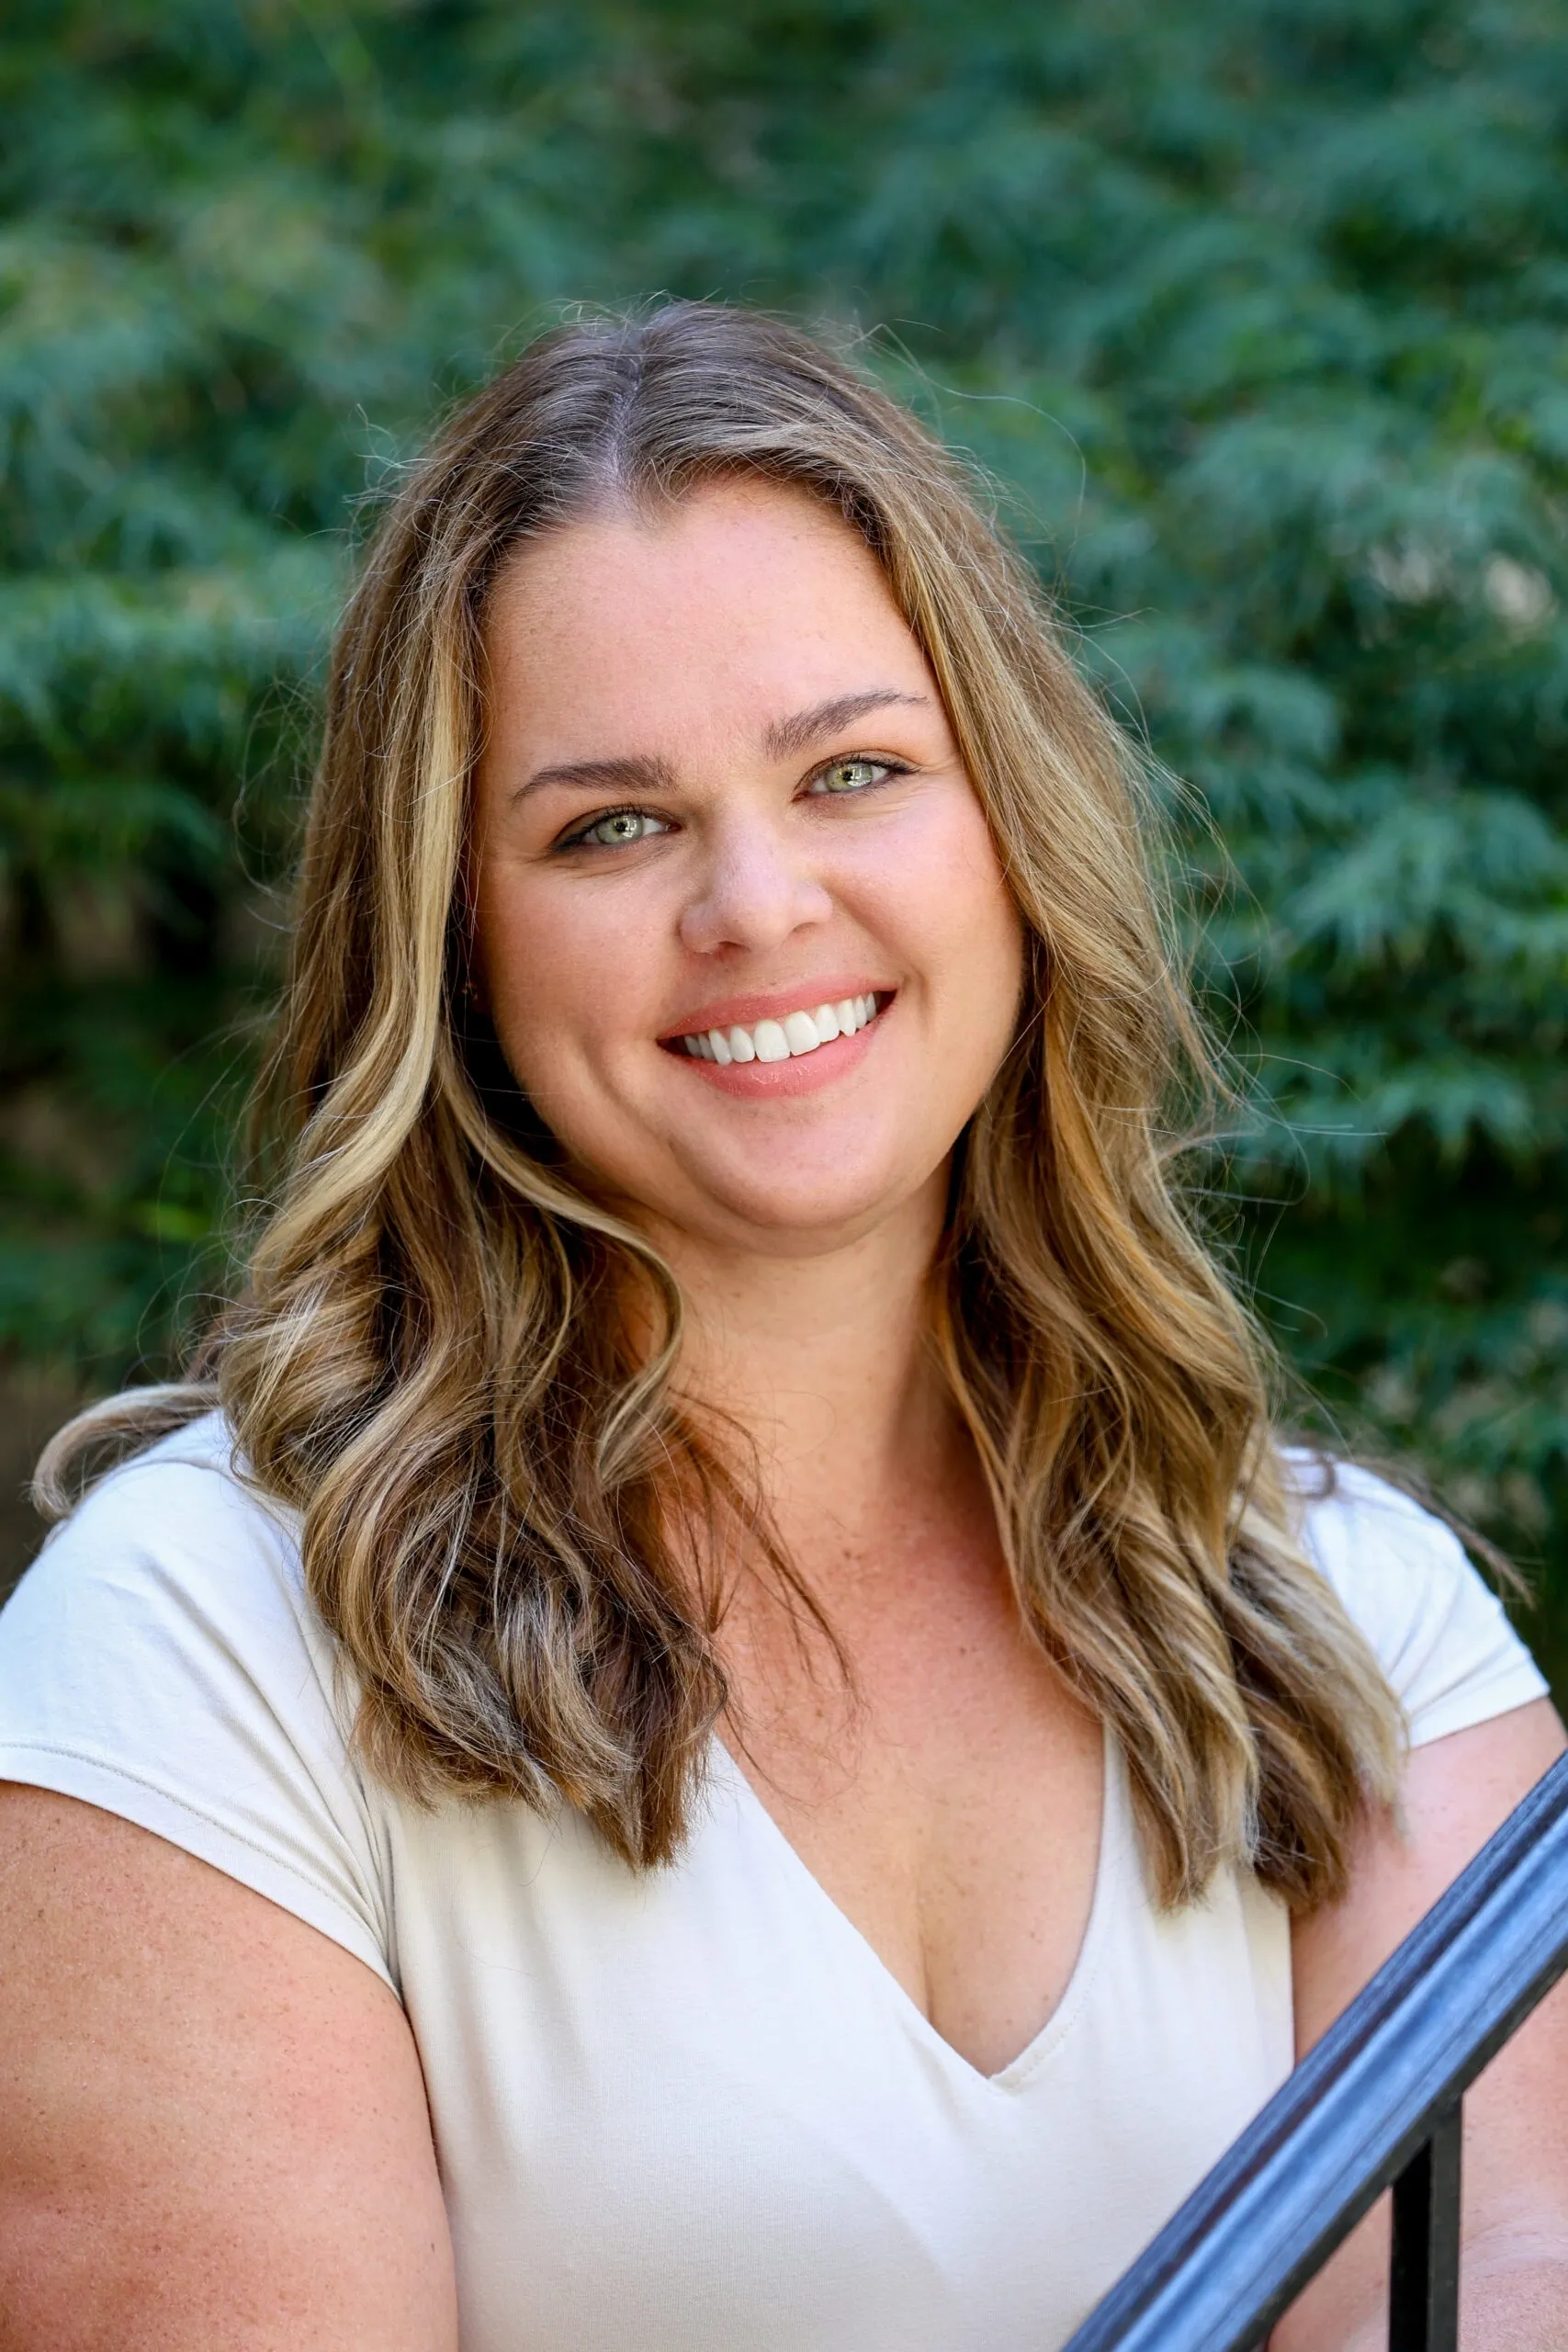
[{"x": 429, "y": 1360}]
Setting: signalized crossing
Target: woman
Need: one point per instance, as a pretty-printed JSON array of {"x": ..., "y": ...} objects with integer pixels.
[{"x": 716, "y": 1720}]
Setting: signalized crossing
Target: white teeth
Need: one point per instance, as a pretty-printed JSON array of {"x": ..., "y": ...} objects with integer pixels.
[{"x": 780, "y": 1041}]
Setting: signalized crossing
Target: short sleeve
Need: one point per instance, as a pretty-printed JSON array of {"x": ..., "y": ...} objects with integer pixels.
[
  {"x": 160, "y": 1660},
  {"x": 1440, "y": 1634}
]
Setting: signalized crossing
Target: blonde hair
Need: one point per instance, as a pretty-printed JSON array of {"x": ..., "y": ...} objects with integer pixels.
[{"x": 429, "y": 1358}]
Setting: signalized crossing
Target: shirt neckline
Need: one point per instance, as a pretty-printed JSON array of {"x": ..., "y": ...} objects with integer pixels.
[{"x": 1115, "y": 1841}]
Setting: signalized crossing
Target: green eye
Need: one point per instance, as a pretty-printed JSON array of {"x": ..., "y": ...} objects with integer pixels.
[
  {"x": 850, "y": 775},
  {"x": 621, "y": 825}
]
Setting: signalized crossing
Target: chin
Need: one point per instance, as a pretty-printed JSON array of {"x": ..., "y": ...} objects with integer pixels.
[{"x": 808, "y": 1213}]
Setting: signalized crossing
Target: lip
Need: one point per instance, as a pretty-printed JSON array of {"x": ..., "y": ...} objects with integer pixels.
[
  {"x": 745, "y": 1011},
  {"x": 802, "y": 1074}
]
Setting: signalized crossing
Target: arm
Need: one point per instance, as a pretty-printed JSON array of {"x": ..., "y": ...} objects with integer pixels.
[
  {"x": 1515, "y": 2270},
  {"x": 213, "y": 2129}
]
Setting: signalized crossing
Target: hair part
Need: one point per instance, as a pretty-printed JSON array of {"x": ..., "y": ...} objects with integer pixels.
[{"x": 431, "y": 1360}]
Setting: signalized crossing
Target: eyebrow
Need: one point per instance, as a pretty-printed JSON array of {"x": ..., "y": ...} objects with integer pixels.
[
  {"x": 636, "y": 772},
  {"x": 644, "y": 771},
  {"x": 806, "y": 726}
]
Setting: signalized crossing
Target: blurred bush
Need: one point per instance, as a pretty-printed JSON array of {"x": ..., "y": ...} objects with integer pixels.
[{"x": 1255, "y": 307}]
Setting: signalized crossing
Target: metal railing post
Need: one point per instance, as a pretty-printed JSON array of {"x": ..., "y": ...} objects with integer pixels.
[{"x": 1423, "y": 2287}]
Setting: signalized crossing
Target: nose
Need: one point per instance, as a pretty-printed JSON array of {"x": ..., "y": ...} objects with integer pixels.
[{"x": 754, "y": 893}]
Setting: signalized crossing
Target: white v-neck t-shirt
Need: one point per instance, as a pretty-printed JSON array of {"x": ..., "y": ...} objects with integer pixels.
[{"x": 691, "y": 2110}]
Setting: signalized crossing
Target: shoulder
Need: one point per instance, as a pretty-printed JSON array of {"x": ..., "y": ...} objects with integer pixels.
[
  {"x": 198, "y": 1464},
  {"x": 1438, "y": 1632},
  {"x": 191, "y": 1477},
  {"x": 162, "y": 1659},
  {"x": 175, "y": 1532}
]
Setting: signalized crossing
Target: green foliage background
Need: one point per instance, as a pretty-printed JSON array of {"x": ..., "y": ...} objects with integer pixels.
[{"x": 1257, "y": 307}]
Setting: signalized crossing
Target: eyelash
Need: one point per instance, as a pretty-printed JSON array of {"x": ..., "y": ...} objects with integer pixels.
[
  {"x": 891, "y": 768},
  {"x": 577, "y": 838}
]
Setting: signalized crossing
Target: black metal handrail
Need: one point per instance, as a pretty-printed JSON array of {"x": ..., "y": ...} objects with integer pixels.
[{"x": 1378, "y": 2100}]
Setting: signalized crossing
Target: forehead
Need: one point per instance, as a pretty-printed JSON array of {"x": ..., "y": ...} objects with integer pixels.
[{"x": 741, "y": 593}]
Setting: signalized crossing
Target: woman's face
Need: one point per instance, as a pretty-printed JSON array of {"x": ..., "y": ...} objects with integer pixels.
[{"x": 720, "y": 795}]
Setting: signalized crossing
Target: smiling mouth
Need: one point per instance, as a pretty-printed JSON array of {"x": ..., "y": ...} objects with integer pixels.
[{"x": 785, "y": 1040}]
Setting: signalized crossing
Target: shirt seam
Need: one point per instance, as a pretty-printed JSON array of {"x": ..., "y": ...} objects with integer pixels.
[
  {"x": 1471, "y": 1702},
  {"x": 198, "y": 1813}
]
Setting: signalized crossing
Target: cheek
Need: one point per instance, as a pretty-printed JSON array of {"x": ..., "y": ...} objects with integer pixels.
[
  {"x": 961, "y": 924},
  {"x": 560, "y": 971}
]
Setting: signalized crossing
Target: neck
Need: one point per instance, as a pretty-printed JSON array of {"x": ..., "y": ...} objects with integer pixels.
[{"x": 823, "y": 1360}]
